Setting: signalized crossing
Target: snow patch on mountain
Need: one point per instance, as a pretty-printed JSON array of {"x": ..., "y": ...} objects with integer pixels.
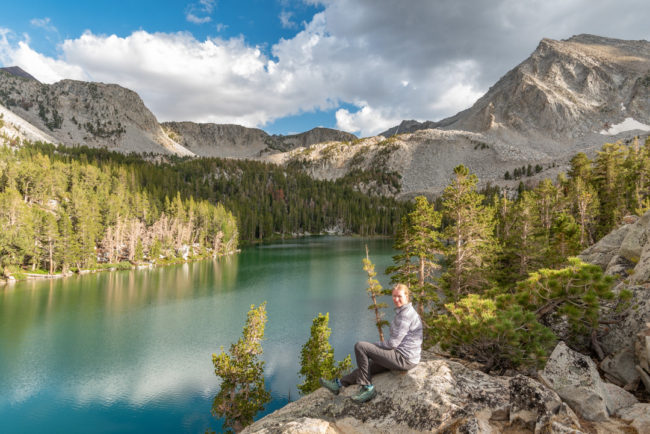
[{"x": 629, "y": 124}]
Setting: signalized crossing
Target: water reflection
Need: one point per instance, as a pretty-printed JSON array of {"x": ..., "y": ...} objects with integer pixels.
[{"x": 96, "y": 345}]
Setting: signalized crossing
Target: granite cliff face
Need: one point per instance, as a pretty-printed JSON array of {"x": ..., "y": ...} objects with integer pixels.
[
  {"x": 93, "y": 114},
  {"x": 568, "y": 96}
]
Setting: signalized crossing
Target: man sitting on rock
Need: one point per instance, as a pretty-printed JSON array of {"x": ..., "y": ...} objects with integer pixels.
[{"x": 401, "y": 352}]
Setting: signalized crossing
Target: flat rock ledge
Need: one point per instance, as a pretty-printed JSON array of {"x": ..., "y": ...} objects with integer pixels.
[{"x": 439, "y": 395}]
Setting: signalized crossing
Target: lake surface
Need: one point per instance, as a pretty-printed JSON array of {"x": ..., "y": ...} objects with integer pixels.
[{"x": 131, "y": 351}]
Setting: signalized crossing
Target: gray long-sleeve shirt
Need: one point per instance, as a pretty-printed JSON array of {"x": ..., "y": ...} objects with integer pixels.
[{"x": 405, "y": 334}]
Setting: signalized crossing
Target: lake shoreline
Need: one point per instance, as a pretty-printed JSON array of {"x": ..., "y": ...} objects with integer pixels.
[
  {"x": 105, "y": 267},
  {"x": 140, "y": 266}
]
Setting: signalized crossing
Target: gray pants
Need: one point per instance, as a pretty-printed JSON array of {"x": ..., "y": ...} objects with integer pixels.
[{"x": 372, "y": 360}]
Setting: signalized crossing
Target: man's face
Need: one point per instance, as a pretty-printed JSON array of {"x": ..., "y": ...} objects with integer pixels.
[{"x": 399, "y": 298}]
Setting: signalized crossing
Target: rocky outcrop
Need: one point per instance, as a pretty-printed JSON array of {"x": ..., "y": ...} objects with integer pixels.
[
  {"x": 423, "y": 159},
  {"x": 638, "y": 416},
  {"x": 308, "y": 138},
  {"x": 439, "y": 395},
  {"x": 18, "y": 72},
  {"x": 215, "y": 140},
  {"x": 82, "y": 113},
  {"x": 642, "y": 353},
  {"x": 576, "y": 380},
  {"x": 625, "y": 253},
  {"x": 607, "y": 248}
]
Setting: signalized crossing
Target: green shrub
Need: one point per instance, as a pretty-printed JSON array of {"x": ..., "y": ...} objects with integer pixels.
[
  {"x": 317, "y": 357},
  {"x": 474, "y": 328},
  {"x": 575, "y": 292}
]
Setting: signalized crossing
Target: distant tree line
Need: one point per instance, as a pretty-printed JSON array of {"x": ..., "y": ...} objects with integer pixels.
[
  {"x": 74, "y": 207},
  {"x": 270, "y": 201},
  {"x": 59, "y": 212}
]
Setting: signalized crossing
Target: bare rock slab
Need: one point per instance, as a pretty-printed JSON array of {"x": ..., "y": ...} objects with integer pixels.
[
  {"x": 619, "y": 367},
  {"x": 438, "y": 395},
  {"x": 574, "y": 377},
  {"x": 618, "y": 398},
  {"x": 638, "y": 416},
  {"x": 635, "y": 239},
  {"x": 604, "y": 250}
]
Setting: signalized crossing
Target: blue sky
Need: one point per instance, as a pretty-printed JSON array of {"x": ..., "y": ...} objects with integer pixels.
[{"x": 287, "y": 66}]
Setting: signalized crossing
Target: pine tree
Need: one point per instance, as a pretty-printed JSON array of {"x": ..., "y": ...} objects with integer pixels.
[
  {"x": 524, "y": 246},
  {"x": 473, "y": 246},
  {"x": 375, "y": 290},
  {"x": 565, "y": 240},
  {"x": 580, "y": 167},
  {"x": 609, "y": 180},
  {"x": 67, "y": 251},
  {"x": 637, "y": 176},
  {"x": 49, "y": 238},
  {"x": 242, "y": 393},
  {"x": 419, "y": 241},
  {"x": 576, "y": 293},
  {"x": 585, "y": 204},
  {"x": 317, "y": 357},
  {"x": 549, "y": 203}
]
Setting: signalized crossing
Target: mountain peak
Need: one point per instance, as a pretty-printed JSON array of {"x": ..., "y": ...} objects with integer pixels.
[
  {"x": 18, "y": 72},
  {"x": 566, "y": 96}
]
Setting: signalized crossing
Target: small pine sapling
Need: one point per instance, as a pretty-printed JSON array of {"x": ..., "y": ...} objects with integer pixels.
[
  {"x": 242, "y": 393},
  {"x": 375, "y": 290},
  {"x": 317, "y": 357}
]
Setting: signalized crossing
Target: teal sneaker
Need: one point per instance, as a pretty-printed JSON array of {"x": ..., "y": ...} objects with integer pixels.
[
  {"x": 333, "y": 386},
  {"x": 365, "y": 394}
]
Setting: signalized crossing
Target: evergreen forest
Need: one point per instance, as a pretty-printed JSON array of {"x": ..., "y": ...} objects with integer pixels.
[
  {"x": 496, "y": 278},
  {"x": 66, "y": 209}
]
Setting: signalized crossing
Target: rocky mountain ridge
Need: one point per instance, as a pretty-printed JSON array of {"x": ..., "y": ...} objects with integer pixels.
[
  {"x": 568, "y": 92},
  {"x": 108, "y": 115},
  {"x": 568, "y": 96},
  {"x": 422, "y": 160},
  {"x": 222, "y": 140},
  {"x": 93, "y": 114}
]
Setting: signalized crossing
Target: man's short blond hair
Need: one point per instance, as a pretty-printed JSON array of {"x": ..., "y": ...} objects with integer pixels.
[{"x": 405, "y": 290}]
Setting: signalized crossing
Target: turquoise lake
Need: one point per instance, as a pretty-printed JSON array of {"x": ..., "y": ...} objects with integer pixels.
[{"x": 131, "y": 351}]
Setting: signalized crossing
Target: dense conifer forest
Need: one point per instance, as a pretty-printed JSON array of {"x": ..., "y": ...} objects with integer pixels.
[
  {"x": 79, "y": 208},
  {"x": 496, "y": 277}
]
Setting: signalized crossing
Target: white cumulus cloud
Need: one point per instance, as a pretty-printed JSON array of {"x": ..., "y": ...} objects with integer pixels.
[
  {"x": 392, "y": 61},
  {"x": 45, "y": 69},
  {"x": 367, "y": 119}
]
